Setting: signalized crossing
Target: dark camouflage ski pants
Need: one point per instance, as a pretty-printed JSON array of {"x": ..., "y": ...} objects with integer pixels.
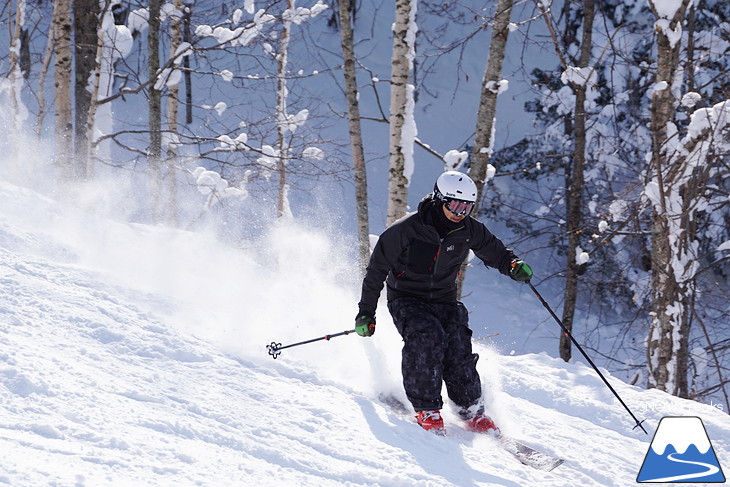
[{"x": 436, "y": 348}]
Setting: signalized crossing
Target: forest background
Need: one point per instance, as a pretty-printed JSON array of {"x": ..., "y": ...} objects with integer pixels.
[{"x": 598, "y": 134}]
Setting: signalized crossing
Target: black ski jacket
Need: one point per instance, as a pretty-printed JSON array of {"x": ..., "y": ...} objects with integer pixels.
[{"x": 415, "y": 261}]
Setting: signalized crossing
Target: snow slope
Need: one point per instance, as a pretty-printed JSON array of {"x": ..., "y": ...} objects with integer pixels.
[{"x": 135, "y": 355}]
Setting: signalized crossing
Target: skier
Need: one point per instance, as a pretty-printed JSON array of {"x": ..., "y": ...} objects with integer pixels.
[{"x": 419, "y": 257}]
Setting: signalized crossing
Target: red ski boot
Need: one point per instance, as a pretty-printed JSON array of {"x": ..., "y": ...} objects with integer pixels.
[
  {"x": 481, "y": 423},
  {"x": 431, "y": 421}
]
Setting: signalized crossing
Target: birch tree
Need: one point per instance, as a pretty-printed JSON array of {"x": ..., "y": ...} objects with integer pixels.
[
  {"x": 63, "y": 69},
  {"x": 45, "y": 66},
  {"x": 112, "y": 42},
  {"x": 15, "y": 76},
  {"x": 281, "y": 111},
  {"x": 355, "y": 131},
  {"x": 402, "y": 126},
  {"x": 492, "y": 86},
  {"x": 14, "y": 72}
]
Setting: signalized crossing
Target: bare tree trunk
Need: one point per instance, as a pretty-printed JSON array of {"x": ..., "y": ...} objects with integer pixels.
[
  {"x": 575, "y": 128},
  {"x": 670, "y": 306},
  {"x": 86, "y": 28},
  {"x": 358, "y": 155},
  {"x": 187, "y": 37},
  {"x": 486, "y": 116},
  {"x": 24, "y": 56},
  {"x": 401, "y": 67},
  {"x": 155, "y": 110},
  {"x": 14, "y": 73},
  {"x": 575, "y": 192},
  {"x": 48, "y": 54},
  {"x": 95, "y": 81},
  {"x": 699, "y": 159},
  {"x": 63, "y": 73},
  {"x": 15, "y": 77},
  {"x": 172, "y": 116},
  {"x": 281, "y": 115}
]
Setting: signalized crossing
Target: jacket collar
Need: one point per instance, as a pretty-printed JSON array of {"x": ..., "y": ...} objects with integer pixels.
[{"x": 427, "y": 209}]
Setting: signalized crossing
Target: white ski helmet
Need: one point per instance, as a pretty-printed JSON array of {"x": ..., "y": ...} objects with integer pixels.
[{"x": 455, "y": 185}]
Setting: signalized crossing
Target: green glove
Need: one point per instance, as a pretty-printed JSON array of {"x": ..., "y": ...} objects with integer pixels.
[
  {"x": 520, "y": 271},
  {"x": 365, "y": 325}
]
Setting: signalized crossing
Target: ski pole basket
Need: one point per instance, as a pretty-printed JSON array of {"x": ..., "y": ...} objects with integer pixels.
[{"x": 274, "y": 348}]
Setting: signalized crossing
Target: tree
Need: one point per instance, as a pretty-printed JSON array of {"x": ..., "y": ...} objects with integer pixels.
[
  {"x": 355, "y": 130},
  {"x": 286, "y": 124},
  {"x": 45, "y": 66},
  {"x": 573, "y": 198},
  {"x": 491, "y": 85},
  {"x": 487, "y": 113},
  {"x": 707, "y": 203},
  {"x": 154, "y": 150},
  {"x": 112, "y": 41},
  {"x": 63, "y": 72},
  {"x": 401, "y": 93},
  {"x": 621, "y": 191},
  {"x": 579, "y": 81},
  {"x": 86, "y": 29},
  {"x": 172, "y": 114},
  {"x": 281, "y": 111},
  {"x": 578, "y": 77},
  {"x": 15, "y": 75},
  {"x": 673, "y": 262}
]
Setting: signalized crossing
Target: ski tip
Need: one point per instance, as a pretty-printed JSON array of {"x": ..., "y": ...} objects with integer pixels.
[
  {"x": 555, "y": 465},
  {"x": 545, "y": 464},
  {"x": 529, "y": 456}
]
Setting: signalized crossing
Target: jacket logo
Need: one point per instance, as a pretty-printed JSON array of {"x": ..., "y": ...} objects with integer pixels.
[{"x": 450, "y": 248}]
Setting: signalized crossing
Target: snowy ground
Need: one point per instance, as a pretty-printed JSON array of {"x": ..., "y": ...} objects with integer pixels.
[{"x": 135, "y": 356}]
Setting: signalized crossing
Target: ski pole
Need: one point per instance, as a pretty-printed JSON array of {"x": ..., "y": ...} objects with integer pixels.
[
  {"x": 577, "y": 345},
  {"x": 276, "y": 348}
]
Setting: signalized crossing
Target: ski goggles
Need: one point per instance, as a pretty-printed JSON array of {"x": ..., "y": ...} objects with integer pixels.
[{"x": 459, "y": 207}]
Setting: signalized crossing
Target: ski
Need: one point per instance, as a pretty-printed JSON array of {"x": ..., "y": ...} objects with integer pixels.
[
  {"x": 395, "y": 404},
  {"x": 523, "y": 453},
  {"x": 528, "y": 455}
]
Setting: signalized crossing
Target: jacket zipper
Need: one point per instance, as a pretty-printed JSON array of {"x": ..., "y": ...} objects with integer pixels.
[{"x": 436, "y": 260}]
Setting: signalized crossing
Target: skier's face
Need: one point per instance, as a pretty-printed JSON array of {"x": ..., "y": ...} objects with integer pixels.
[{"x": 452, "y": 216}]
